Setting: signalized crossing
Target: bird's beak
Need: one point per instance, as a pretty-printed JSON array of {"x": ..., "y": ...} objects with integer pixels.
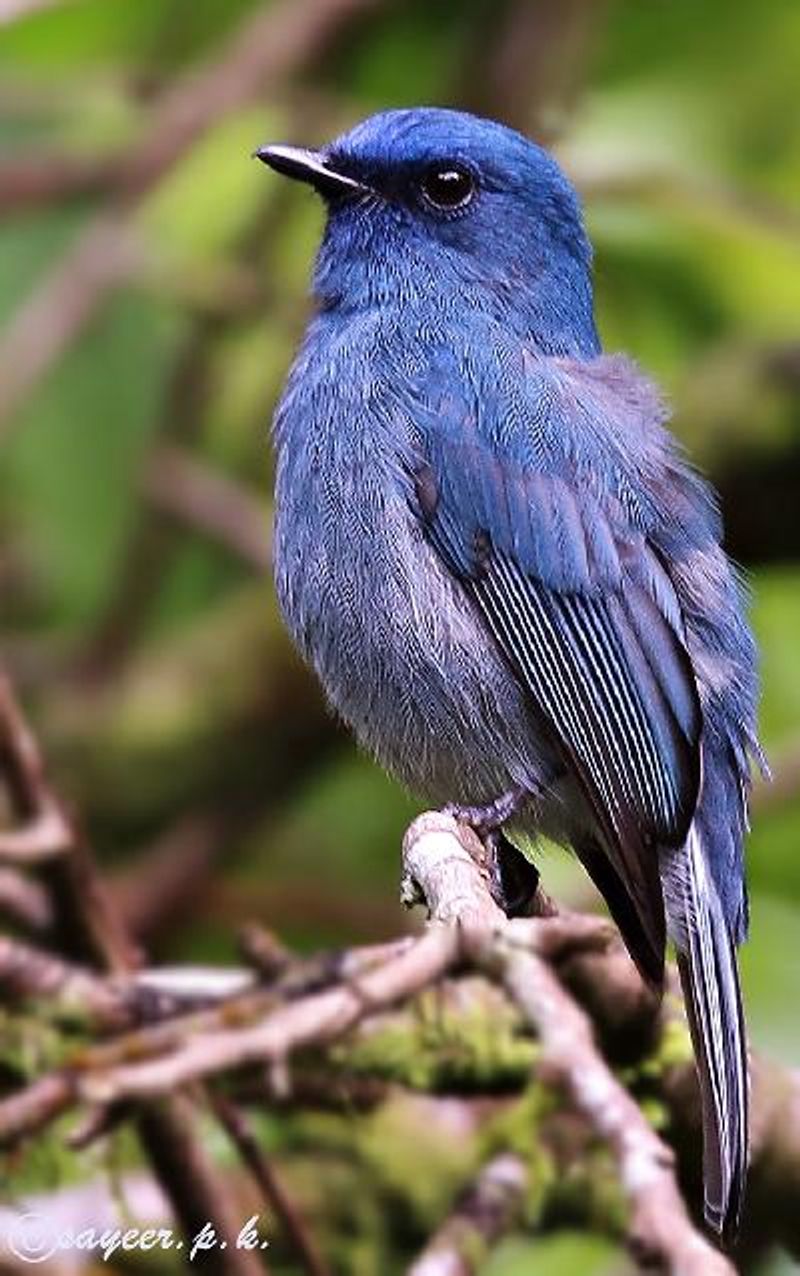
[{"x": 309, "y": 166}]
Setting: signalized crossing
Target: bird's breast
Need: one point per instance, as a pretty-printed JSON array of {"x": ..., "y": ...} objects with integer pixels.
[{"x": 399, "y": 649}]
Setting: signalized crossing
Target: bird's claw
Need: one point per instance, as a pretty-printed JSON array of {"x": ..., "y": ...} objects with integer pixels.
[{"x": 513, "y": 880}]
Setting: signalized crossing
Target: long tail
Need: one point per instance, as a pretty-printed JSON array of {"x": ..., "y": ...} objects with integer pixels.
[{"x": 710, "y": 981}]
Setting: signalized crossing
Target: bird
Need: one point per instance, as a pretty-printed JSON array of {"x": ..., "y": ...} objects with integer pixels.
[{"x": 505, "y": 571}]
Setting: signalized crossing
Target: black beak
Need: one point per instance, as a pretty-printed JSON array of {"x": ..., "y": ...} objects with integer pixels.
[{"x": 309, "y": 166}]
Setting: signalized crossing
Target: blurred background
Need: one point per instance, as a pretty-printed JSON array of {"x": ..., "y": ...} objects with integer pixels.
[{"x": 152, "y": 290}]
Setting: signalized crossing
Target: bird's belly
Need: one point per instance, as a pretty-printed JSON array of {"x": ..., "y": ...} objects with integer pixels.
[{"x": 402, "y": 656}]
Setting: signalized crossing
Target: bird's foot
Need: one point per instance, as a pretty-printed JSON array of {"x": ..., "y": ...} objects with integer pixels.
[
  {"x": 487, "y": 819},
  {"x": 513, "y": 879}
]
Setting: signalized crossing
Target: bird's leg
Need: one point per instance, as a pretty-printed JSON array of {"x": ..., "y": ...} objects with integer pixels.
[
  {"x": 486, "y": 819},
  {"x": 513, "y": 880}
]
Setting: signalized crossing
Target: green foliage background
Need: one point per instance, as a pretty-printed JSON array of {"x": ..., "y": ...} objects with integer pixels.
[{"x": 149, "y": 654}]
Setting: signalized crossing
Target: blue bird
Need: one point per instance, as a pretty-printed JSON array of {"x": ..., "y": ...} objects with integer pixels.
[{"x": 506, "y": 575}]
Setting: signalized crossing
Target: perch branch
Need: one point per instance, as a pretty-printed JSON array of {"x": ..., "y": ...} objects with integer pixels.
[{"x": 659, "y": 1228}]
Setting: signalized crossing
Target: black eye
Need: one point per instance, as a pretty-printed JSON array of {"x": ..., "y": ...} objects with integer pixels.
[{"x": 448, "y": 186}]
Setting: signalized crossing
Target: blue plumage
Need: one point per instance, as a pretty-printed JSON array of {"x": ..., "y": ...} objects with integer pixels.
[{"x": 501, "y": 566}]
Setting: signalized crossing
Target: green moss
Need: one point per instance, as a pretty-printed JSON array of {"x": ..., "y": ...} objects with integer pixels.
[
  {"x": 519, "y": 1128},
  {"x": 418, "y": 1157},
  {"x": 461, "y": 1038},
  {"x": 587, "y": 1192}
]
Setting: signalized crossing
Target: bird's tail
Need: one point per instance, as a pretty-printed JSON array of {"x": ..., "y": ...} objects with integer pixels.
[{"x": 710, "y": 981}]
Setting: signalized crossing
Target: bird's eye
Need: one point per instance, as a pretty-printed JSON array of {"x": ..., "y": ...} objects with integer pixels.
[{"x": 448, "y": 186}]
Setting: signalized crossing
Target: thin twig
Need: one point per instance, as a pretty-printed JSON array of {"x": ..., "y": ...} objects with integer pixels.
[
  {"x": 209, "y": 502},
  {"x": 29, "y": 972},
  {"x": 45, "y": 831},
  {"x": 241, "y": 1135},
  {"x": 24, "y": 900},
  {"x": 197, "y": 1191},
  {"x": 313, "y": 1020},
  {"x": 36, "y": 1105}
]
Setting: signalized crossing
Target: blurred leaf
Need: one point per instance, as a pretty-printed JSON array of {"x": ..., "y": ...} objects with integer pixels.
[
  {"x": 202, "y": 206},
  {"x": 28, "y": 246},
  {"x": 72, "y": 466},
  {"x": 247, "y": 367},
  {"x": 90, "y": 33}
]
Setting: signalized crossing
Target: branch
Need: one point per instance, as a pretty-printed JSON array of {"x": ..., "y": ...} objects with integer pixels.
[
  {"x": 26, "y": 972},
  {"x": 27, "y": 181},
  {"x": 197, "y": 1191},
  {"x": 45, "y": 832},
  {"x": 108, "y": 1076},
  {"x": 444, "y": 861},
  {"x": 155, "y": 1038},
  {"x": 198, "y": 1194},
  {"x": 268, "y": 1181},
  {"x": 105, "y": 253},
  {"x": 188, "y": 489},
  {"x": 659, "y": 1228},
  {"x": 488, "y": 1210},
  {"x": 24, "y": 900}
]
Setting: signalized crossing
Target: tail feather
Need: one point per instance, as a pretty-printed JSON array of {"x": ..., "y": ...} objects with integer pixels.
[
  {"x": 710, "y": 981},
  {"x": 644, "y": 941}
]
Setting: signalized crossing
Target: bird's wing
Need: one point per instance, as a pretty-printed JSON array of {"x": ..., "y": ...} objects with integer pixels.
[{"x": 553, "y": 550}]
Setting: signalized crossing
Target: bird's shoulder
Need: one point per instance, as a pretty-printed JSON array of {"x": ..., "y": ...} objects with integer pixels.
[
  {"x": 538, "y": 410},
  {"x": 522, "y": 442}
]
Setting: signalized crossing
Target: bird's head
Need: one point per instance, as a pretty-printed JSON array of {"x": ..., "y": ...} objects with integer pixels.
[{"x": 449, "y": 209}]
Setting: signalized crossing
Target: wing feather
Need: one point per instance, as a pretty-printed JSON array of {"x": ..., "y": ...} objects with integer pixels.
[{"x": 577, "y": 600}]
